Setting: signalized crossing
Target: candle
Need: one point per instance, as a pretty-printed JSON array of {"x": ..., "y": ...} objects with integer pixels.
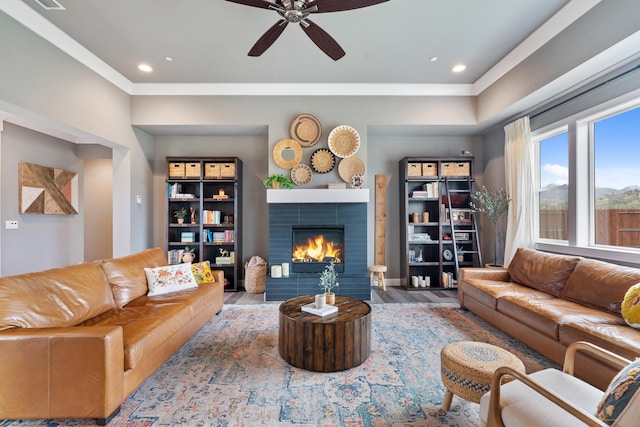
[
  {"x": 285, "y": 269},
  {"x": 276, "y": 271}
]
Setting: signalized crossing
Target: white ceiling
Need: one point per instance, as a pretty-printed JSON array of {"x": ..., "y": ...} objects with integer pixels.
[{"x": 390, "y": 43}]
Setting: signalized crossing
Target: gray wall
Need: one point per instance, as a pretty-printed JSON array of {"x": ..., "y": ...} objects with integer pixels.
[{"x": 41, "y": 241}]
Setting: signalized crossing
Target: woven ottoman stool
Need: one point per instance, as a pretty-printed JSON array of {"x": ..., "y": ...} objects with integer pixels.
[{"x": 467, "y": 367}]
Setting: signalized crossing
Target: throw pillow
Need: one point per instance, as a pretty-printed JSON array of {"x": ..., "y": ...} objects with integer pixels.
[
  {"x": 202, "y": 272},
  {"x": 631, "y": 306},
  {"x": 170, "y": 278},
  {"x": 620, "y": 392}
]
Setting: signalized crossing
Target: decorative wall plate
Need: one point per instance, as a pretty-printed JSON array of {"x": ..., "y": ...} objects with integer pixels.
[
  {"x": 289, "y": 159},
  {"x": 344, "y": 141},
  {"x": 347, "y": 168},
  {"x": 301, "y": 174},
  {"x": 323, "y": 161},
  {"x": 305, "y": 129}
]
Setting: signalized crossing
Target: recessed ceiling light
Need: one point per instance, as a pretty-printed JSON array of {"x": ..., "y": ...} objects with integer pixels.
[
  {"x": 433, "y": 59},
  {"x": 145, "y": 67},
  {"x": 168, "y": 58},
  {"x": 459, "y": 68}
]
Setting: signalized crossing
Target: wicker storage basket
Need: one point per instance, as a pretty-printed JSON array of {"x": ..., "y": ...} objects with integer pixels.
[{"x": 254, "y": 278}]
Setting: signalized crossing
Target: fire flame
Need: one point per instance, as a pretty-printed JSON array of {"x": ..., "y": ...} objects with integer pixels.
[{"x": 316, "y": 250}]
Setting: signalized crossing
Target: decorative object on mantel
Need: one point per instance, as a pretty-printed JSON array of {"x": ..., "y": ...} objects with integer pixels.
[
  {"x": 181, "y": 214},
  {"x": 277, "y": 180},
  {"x": 347, "y": 168},
  {"x": 344, "y": 141},
  {"x": 357, "y": 181},
  {"x": 305, "y": 129},
  {"x": 301, "y": 174},
  {"x": 323, "y": 160},
  {"x": 287, "y": 153},
  {"x": 46, "y": 190},
  {"x": 328, "y": 281},
  {"x": 337, "y": 185}
]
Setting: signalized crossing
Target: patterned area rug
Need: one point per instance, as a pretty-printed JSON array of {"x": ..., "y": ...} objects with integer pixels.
[{"x": 230, "y": 374}]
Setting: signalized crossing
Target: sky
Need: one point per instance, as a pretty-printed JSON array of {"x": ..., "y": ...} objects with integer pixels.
[{"x": 617, "y": 147}]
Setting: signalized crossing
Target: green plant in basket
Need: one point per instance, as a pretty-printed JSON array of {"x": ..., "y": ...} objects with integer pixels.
[{"x": 277, "y": 180}]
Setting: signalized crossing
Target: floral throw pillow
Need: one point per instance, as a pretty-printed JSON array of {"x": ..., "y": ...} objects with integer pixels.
[
  {"x": 202, "y": 272},
  {"x": 620, "y": 392},
  {"x": 170, "y": 278}
]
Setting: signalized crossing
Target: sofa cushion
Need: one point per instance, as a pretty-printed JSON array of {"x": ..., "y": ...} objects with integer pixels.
[
  {"x": 489, "y": 291},
  {"x": 616, "y": 337},
  {"x": 170, "y": 278},
  {"x": 54, "y": 298},
  {"x": 546, "y": 315},
  {"x": 600, "y": 284},
  {"x": 621, "y": 393},
  {"x": 145, "y": 328},
  {"x": 540, "y": 270},
  {"x": 126, "y": 274}
]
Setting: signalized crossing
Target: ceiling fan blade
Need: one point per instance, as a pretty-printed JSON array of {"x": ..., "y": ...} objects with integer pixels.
[
  {"x": 263, "y": 4},
  {"x": 268, "y": 38},
  {"x": 340, "y": 5},
  {"x": 323, "y": 40}
]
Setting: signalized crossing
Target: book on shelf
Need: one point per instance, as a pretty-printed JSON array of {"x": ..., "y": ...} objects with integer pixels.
[
  {"x": 188, "y": 237},
  {"x": 174, "y": 256},
  {"x": 174, "y": 189},
  {"x": 184, "y": 196},
  {"x": 211, "y": 217}
]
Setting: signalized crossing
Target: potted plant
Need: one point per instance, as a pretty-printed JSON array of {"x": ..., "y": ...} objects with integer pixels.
[
  {"x": 189, "y": 254},
  {"x": 181, "y": 214},
  {"x": 278, "y": 181},
  {"x": 492, "y": 202},
  {"x": 328, "y": 281}
]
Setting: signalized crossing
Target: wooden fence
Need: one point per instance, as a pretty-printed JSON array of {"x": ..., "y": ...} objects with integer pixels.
[{"x": 614, "y": 227}]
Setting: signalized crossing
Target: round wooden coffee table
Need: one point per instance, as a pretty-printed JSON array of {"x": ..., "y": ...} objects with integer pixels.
[{"x": 332, "y": 343}]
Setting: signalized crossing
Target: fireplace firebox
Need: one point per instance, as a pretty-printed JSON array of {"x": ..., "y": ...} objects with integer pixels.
[{"x": 315, "y": 247}]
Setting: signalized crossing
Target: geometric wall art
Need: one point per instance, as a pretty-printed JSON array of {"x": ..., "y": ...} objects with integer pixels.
[{"x": 45, "y": 190}]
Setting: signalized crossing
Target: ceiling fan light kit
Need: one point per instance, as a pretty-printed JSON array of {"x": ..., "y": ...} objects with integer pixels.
[{"x": 297, "y": 12}]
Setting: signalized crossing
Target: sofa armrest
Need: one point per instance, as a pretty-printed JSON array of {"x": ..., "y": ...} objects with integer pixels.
[
  {"x": 500, "y": 274},
  {"x": 61, "y": 372},
  {"x": 218, "y": 276}
]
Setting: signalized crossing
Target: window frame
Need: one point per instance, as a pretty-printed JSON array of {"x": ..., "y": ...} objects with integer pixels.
[{"x": 581, "y": 203}]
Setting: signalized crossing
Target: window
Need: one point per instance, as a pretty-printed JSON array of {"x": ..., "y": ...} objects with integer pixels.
[
  {"x": 553, "y": 187},
  {"x": 616, "y": 154}
]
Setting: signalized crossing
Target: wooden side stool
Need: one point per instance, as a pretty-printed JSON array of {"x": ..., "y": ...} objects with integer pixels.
[{"x": 379, "y": 270}]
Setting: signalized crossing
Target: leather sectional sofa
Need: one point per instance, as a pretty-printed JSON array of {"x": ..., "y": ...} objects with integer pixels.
[
  {"x": 76, "y": 341},
  {"x": 549, "y": 301}
]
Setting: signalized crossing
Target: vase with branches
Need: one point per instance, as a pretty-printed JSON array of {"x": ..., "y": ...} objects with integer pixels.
[{"x": 493, "y": 202}]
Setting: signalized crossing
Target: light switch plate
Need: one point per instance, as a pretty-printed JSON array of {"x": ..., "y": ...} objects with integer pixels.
[{"x": 11, "y": 225}]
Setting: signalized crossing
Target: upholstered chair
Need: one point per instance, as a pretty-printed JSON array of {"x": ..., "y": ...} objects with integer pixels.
[{"x": 551, "y": 397}]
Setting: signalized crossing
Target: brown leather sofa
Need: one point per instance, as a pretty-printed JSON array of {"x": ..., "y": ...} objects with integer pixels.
[
  {"x": 549, "y": 301},
  {"x": 76, "y": 341}
]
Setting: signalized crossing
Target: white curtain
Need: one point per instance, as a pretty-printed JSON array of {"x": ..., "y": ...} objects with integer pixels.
[{"x": 519, "y": 158}]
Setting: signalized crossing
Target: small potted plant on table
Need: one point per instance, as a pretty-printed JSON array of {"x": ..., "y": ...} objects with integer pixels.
[
  {"x": 181, "y": 214},
  {"x": 328, "y": 281}
]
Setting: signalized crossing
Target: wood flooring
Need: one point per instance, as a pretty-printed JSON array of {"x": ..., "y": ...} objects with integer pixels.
[{"x": 393, "y": 295}]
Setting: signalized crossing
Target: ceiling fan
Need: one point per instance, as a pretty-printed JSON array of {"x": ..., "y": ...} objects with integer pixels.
[{"x": 297, "y": 12}]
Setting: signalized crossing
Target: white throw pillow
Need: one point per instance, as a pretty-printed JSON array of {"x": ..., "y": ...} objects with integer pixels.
[{"x": 170, "y": 278}]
